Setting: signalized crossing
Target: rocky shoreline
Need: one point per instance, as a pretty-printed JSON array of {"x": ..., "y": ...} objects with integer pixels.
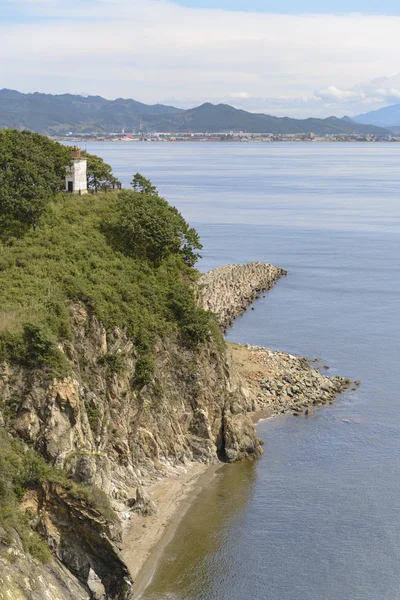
[
  {"x": 276, "y": 382},
  {"x": 281, "y": 383},
  {"x": 149, "y": 452},
  {"x": 229, "y": 291},
  {"x": 273, "y": 382}
]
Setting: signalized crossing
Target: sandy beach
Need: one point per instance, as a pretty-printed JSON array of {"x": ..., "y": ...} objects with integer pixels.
[{"x": 146, "y": 537}]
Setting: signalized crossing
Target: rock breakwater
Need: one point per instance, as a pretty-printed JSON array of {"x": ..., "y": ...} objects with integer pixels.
[
  {"x": 228, "y": 291},
  {"x": 283, "y": 383}
]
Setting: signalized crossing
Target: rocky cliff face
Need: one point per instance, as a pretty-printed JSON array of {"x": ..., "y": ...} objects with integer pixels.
[
  {"x": 106, "y": 432},
  {"x": 22, "y": 578},
  {"x": 85, "y": 546}
]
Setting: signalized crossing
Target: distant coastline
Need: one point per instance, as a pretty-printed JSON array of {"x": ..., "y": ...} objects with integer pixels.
[
  {"x": 93, "y": 116},
  {"x": 216, "y": 140}
]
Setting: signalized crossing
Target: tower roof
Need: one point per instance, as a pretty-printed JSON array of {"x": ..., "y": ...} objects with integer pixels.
[{"x": 76, "y": 152}]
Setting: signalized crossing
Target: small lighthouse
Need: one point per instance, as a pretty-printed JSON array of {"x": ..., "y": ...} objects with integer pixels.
[{"x": 75, "y": 180}]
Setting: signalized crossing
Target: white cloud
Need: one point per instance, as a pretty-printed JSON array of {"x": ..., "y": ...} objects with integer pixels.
[
  {"x": 240, "y": 95},
  {"x": 154, "y": 50},
  {"x": 332, "y": 92}
]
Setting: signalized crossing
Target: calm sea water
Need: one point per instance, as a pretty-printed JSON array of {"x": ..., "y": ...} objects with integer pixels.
[{"x": 318, "y": 516}]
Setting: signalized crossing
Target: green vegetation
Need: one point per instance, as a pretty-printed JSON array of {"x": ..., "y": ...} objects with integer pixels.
[
  {"x": 32, "y": 171},
  {"x": 143, "y": 186},
  {"x": 127, "y": 256},
  {"x": 70, "y": 258},
  {"x": 34, "y": 350},
  {"x": 22, "y": 469},
  {"x": 93, "y": 415},
  {"x": 99, "y": 174},
  {"x": 148, "y": 227},
  {"x": 115, "y": 363}
]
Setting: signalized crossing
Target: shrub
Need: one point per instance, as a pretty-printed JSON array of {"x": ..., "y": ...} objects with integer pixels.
[
  {"x": 115, "y": 363},
  {"x": 71, "y": 258},
  {"x": 149, "y": 228},
  {"x": 93, "y": 415},
  {"x": 33, "y": 349},
  {"x": 32, "y": 171},
  {"x": 22, "y": 469}
]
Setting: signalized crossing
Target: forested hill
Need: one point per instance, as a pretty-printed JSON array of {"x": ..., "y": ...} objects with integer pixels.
[
  {"x": 47, "y": 113},
  {"x": 60, "y": 114}
]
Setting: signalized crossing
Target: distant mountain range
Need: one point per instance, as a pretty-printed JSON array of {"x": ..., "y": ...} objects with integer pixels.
[
  {"x": 388, "y": 117},
  {"x": 60, "y": 114}
]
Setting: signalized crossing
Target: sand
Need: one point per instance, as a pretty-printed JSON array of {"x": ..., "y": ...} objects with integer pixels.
[{"x": 146, "y": 537}]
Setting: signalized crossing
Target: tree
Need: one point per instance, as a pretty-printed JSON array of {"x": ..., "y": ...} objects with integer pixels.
[
  {"x": 148, "y": 227},
  {"x": 32, "y": 171},
  {"x": 143, "y": 186},
  {"x": 99, "y": 174}
]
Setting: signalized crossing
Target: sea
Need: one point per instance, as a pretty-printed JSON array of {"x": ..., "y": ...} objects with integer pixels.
[{"x": 318, "y": 516}]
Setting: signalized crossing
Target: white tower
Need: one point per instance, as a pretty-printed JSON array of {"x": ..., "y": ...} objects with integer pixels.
[{"x": 75, "y": 180}]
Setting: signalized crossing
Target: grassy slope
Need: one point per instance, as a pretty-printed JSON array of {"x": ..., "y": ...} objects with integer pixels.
[{"x": 69, "y": 258}]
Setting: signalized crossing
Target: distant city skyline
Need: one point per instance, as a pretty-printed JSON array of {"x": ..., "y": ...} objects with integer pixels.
[{"x": 286, "y": 57}]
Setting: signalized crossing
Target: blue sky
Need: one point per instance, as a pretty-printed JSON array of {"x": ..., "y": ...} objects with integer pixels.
[
  {"x": 19, "y": 11},
  {"x": 388, "y": 7},
  {"x": 297, "y": 58}
]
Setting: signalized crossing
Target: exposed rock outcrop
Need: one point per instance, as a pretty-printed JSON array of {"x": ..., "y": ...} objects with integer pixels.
[
  {"x": 228, "y": 291},
  {"x": 83, "y": 539},
  {"x": 86, "y": 549},
  {"x": 23, "y": 578},
  {"x": 105, "y": 431},
  {"x": 108, "y": 432}
]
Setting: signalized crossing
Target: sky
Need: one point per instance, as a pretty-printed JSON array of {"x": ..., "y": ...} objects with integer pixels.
[
  {"x": 299, "y": 58},
  {"x": 388, "y": 7}
]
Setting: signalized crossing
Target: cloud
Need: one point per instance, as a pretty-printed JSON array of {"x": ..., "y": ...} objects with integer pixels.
[
  {"x": 241, "y": 95},
  {"x": 154, "y": 50},
  {"x": 332, "y": 92}
]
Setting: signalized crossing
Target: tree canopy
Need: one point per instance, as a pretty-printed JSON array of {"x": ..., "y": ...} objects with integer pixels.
[
  {"x": 143, "y": 186},
  {"x": 99, "y": 173},
  {"x": 150, "y": 228},
  {"x": 32, "y": 171}
]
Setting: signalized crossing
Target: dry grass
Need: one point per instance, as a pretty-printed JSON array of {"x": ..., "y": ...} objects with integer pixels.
[{"x": 9, "y": 321}]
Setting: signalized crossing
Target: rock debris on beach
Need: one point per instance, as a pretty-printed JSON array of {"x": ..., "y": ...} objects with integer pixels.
[
  {"x": 228, "y": 291},
  {"x": 283, "y": 383}
]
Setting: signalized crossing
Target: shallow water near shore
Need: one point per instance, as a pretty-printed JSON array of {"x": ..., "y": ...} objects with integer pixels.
[{"x": 318, "y": 516}]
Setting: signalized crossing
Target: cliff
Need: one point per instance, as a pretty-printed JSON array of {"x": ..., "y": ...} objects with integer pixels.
[
  {"x": 114, "y": 377},
  {"x": 107, "y": 432},
  {"x": 86, "y": 562},
  {"x": 104, "y": 430},
  {"x": 111, "y": 378}
]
